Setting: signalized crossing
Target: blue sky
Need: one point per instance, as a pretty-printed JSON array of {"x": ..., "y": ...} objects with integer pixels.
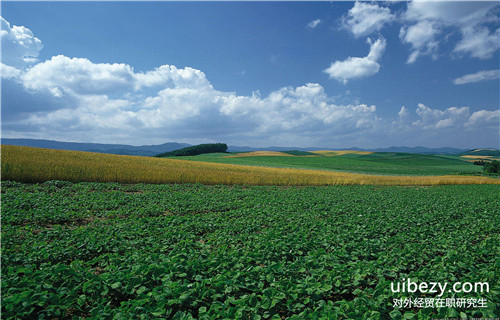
[{"x": 305, "y": 74}]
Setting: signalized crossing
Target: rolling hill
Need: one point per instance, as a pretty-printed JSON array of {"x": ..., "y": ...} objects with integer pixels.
[
  {"x": 26, "y": 164},
  {"x": 151, "y": 150}
]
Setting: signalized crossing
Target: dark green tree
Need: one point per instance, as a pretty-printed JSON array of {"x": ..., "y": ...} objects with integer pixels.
[
  {"x": 196, "y": 150},
  {"x": 492, "y": 167}
]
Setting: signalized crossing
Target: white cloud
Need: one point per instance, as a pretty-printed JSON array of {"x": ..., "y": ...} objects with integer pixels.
[
  {"x": 484, "y": 118},
  {"x": 439, "y": 119},
  {"x": 452, "y": 126},
  {"x": 366, "y": 18},
  {"x": 297, "y": 109},
  {"x": 483, "y": 75},
  {"x": 421, "y": 36},
  {"x": 8, "y": 72},
  {"x": 79, "y": 76},
  {"x": 172, "y": 76},
  {"x": 403, "y": 114},
  {"x": 426, "y": 20},
  {"x": 19, "y": 46},
  {"x": 418, "y": 34},
  {"x": 452, "y": 12},
  {"x": 313, "y": 24},
  {"x": 355, "y": 67},
  {"x": 479, "y": 42}
]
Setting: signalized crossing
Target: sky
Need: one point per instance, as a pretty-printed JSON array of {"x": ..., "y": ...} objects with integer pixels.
[{"x": 301, "y": 74}]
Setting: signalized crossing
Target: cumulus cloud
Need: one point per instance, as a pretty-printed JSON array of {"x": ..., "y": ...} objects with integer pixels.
[
  {"x": 440, "y": 119},
  {"x": 425, "y": 22},
  {"x": 167, "y": 75},
  {"x": 484, "y": 118},
  {"x": 313, "y": 24},
  {"x": 450, "y": 126},
  {"x": 356, "y": 67},
  {"x": 483, "y": 75},
  {"x": 365, "y": 18},
  {"x": 19, "y": 46},
  {"x": 78, "y": 76}
]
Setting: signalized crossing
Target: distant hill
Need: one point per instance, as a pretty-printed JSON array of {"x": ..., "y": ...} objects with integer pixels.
[
  {"x": 421, "y": 150},
  {"x": 123, "y": 149},
  {"x": 152, "y": 150}
]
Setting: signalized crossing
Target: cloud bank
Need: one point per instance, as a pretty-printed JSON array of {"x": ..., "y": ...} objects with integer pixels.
[{"x": 113, "y": 101}]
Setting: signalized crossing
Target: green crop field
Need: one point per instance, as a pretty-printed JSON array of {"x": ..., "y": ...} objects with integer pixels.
[
  {"x": 139, "y": 251},
  {"x": 374, "y": 163}
]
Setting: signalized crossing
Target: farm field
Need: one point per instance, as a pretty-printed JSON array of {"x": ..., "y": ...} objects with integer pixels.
[
  {"x": 384, "y": 163},
  {"x": 190, "y": 251},
  {"x": 27, "y": 164},
  {"x": 481, "y": 154}
]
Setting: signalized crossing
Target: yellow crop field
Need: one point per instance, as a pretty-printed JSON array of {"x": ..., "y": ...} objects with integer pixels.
[
  {"x": 27, "y": 164},
  {"x": 472, "y": 157},
  {"x": 331, "y": 153}
]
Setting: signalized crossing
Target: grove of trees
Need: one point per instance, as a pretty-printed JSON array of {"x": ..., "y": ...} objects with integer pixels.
[{"x": 196, "y": 150}]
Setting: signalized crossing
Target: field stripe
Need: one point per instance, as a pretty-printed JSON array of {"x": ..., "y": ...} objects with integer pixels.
[
  {"x": 260, "y": 154},
  {"x": 332, "y": 153}
]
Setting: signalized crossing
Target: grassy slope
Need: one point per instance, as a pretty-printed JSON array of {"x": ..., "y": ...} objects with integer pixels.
[
  {"x": 483, "y": 152},
  {"x": 375, "y": 163}
]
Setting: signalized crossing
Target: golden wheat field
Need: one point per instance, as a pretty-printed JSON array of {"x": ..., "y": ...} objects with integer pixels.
[
  {"x": 27, "y": 164},
  {"x": 472, "y": 158}
]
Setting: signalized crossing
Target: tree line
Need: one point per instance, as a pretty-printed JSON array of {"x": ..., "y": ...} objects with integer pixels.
[{"x": 196, "y": 150}]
